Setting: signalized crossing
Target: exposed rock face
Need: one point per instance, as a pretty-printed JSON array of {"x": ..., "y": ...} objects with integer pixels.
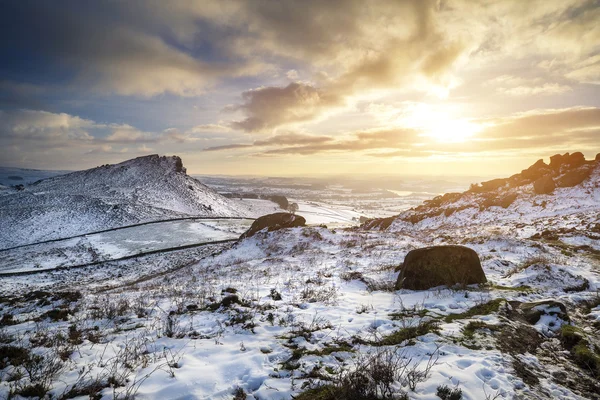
[
  {"x": 544, "y": 185},
  {"x": 274, "y": 222},
  {"x": 536, "y": 171},
  {"x": 378, "y": 223},
  {"x": 500, "y": 200},
  {"x": 179, "y": 165},
  {"x": 575, "y": 160},
  {"x": 598, "y": 157},
  {"x": 440, "y": 265},
  {"x": 574, "y": 177},
  {"x": 557, "y": 160}
]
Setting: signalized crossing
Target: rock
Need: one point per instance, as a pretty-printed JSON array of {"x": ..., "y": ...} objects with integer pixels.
[
  {"x": 378, "y": 223},
  {"x": 440, "y": 265},
  {"x": 598, "y": 157},
  {"x": 274, "y": 222},
  {"x": 492, "y": 185},
  {"x": 575, "y": 160},
  {"x": 179, "y": 164},
  {"x": 574, "y": 177},
  {"x": 507, "y": 200},
  {"x": 536, "y": 171},
  {"x": 532, "y": 312},
  {"x": 502, "y": 200},
  {"x": 544, "y": 185},
  {"x": 557, "y": 160}
]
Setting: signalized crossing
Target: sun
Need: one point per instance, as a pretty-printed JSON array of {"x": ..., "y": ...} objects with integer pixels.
[
  {"x": 442, "y": 124},
  {"x": 448, "y": 130}
]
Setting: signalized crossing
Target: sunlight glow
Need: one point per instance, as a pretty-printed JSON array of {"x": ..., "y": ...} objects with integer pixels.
[{"x": 438, "y": 124}]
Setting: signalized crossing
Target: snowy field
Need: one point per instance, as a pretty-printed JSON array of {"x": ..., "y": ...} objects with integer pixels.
[
  {"x": 281, "y": 312},
  {"x": 120, "y": 243}
]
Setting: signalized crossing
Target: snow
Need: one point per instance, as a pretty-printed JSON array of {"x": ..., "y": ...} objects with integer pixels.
[
  {"x": 140, "y": 190},
  {"x": 336, "y": 287},
  {"x": 120, "y": 243},
  {"x": 319, "y": 213}
]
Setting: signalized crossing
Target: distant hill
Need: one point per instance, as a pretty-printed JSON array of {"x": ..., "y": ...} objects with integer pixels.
[
  {"x": 10, "y": 176},
  {"x": 138, "y": 190},
  {"x": 569, "y": 184}
]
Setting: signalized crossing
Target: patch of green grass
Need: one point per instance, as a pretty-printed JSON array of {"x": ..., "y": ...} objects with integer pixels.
[
  {"x": 326, "y": 392},
  {"x": 333, "y": 348},
  {"x": 522, "y": 288},
  {"x": 409, "y": 333},
  {"x": 570, "y": 336},
  {"x": 292, "y": 363},
  {"x": 586, "y": 358},
  {"x": 575, "y": 340},
  {"x": 408, "y": 313},
  {"x": 469, "y": 329},
  {"x": 481, "y": 309}
]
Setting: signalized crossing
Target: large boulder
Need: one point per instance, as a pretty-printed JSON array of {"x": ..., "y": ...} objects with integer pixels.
[
  {"x": 557, "y": 160},
  {"x": 598, "y": 157},
  {"x": 274, "y": 222},
  {"x": 574, "y": 177},
  {"x": 536, "y": 171},
  {"x": 575, "y": 160},
  {"x": 440, "y": 265},
  {"x": 544, "y": 185}
]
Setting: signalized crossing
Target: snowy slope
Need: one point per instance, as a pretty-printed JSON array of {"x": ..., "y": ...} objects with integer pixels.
[
  {"x": 514, "y": 207},
  {"x": 143, "y": 189}
]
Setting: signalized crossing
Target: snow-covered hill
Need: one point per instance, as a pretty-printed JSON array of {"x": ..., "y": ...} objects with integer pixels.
[
  {"x": 514, "y": 204},
  {"x": 138, "y": 190}
]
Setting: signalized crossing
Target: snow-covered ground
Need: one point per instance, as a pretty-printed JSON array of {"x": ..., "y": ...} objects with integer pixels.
[
  {"x": 337, "y": 302},
  {"x": 320, "y": 213},
  {"x": 283, "y": 312},
  {"x": 120, "y": 243}
]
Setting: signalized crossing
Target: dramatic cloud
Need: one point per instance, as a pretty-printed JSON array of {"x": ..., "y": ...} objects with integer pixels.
[
  {"x": 577, "y": 127},
  {"x": 271, "y": 107},
  {"x": 387, "y": 79},
  {"x": 44, "y": 127},
  {"x": 288, "y": 139}
]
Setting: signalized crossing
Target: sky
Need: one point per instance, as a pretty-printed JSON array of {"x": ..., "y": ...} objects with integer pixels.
[{"x": 300, "y": 88}]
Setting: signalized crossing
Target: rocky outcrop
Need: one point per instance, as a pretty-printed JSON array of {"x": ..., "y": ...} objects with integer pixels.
[
  {"x": 378, "y": 223},
  {"x": 544, "y": 185},
  {"x": 574, "y": 177},
  {"x": 536, "y": 171},
  {"x": 502, "y": 200},
  {"x": 440, "y": 265},
  {"x": 274, "y": 222},
  {"x": 567, "y": 161},
  {"x": 564, "y": 170}
]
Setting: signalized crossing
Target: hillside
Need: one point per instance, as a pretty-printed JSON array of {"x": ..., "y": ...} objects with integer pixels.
[
  {"x": 563, "y": 194},
  {"x": 316, "y": 313},
  {"x": 138, "y": 190}
]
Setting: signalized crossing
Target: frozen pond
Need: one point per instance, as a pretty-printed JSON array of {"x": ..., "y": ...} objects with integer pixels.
[{"x": 121, "y": 243}]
